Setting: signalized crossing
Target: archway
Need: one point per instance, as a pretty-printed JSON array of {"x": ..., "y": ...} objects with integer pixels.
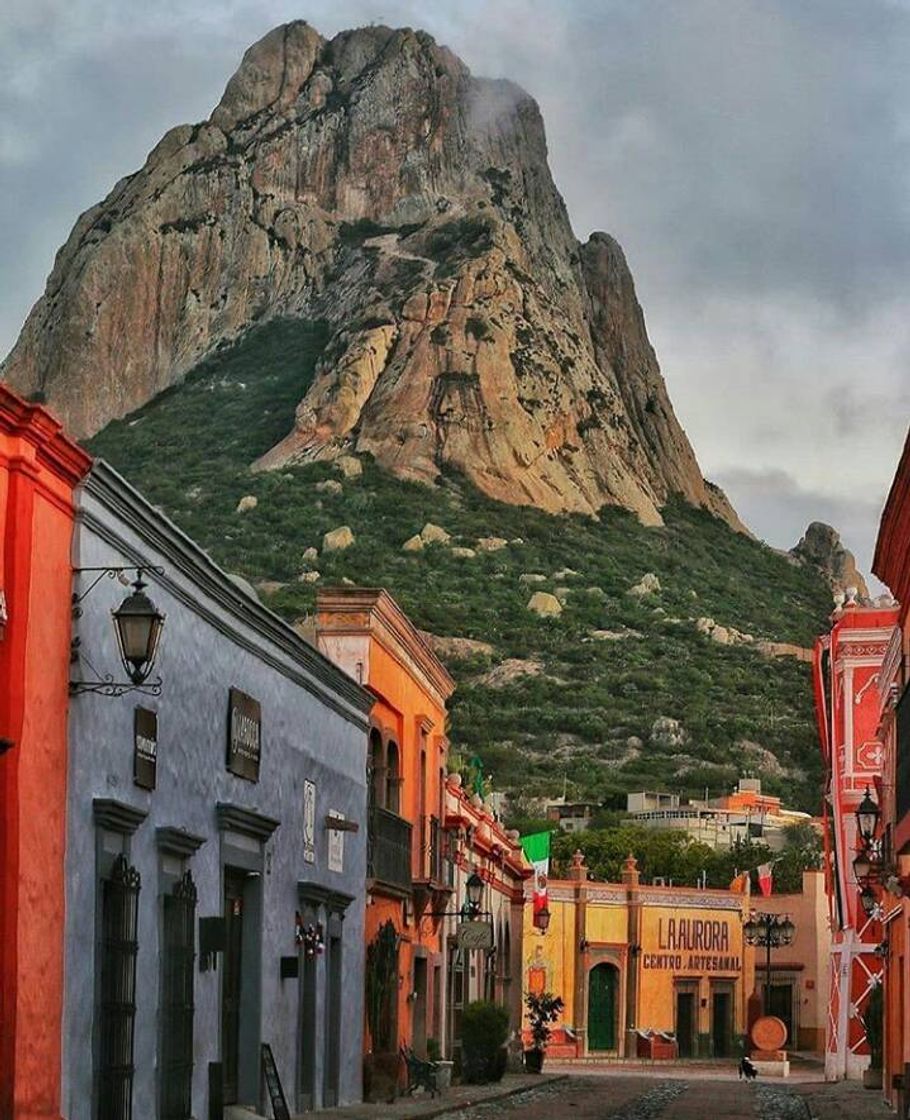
[{"x": 603, "y": 1003}]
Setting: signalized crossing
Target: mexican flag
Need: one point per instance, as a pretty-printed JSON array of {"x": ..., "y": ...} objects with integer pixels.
[
  {"x": 537, "y": 851},
  {"x": 764, "y": 871}
]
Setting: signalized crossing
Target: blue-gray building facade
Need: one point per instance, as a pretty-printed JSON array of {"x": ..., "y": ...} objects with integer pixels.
[{"x": 216, "y": 842}]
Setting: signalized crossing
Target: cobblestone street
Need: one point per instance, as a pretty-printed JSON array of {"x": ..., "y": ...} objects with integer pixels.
[{"x": 695, "y": 1094}]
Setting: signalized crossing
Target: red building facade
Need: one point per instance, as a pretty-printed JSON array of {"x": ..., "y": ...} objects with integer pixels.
[
  {"x": 848, "y": 703},
  {"x": 39, "y": 469},
  {"x": 892, "y": 566}
]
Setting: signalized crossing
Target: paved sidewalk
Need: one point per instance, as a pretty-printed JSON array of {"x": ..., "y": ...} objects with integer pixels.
[{"x": 422, "y": 1106}]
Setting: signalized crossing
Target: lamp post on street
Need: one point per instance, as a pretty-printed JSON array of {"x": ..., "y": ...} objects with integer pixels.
[{"x": 768, "y": 931}]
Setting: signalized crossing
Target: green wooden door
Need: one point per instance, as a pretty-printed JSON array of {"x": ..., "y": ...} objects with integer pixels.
[{"x": 603, "y": 985}]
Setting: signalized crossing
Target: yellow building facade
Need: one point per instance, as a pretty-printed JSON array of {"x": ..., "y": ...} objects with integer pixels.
[{"x": 642, "y": 970}]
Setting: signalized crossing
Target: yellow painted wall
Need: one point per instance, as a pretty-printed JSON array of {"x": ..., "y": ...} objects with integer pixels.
[
  {"x": 679, "y": 945},
  {"x": 684, "y": 944}
]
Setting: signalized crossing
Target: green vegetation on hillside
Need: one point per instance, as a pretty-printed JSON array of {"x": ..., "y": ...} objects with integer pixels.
[{"x": 189, "y": 452}]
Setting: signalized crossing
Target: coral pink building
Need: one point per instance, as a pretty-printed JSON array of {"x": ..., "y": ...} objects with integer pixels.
[
  {"x": 848, "y": 704},
  {"x": 39, "y": 469}
]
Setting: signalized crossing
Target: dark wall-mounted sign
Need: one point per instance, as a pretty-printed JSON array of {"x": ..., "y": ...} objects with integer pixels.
[
  {"x": 244, "y": 735},
  {"x": 145, "y": 748}
]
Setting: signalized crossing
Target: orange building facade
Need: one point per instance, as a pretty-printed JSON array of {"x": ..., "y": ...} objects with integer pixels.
[
  {"x": 365, "y": 632},
  {"x": 39, "y": 469},
  {"x": 892, "y": 566},
  {"x": 478, "y": 843},
  {"x": 846, "y": 675}
]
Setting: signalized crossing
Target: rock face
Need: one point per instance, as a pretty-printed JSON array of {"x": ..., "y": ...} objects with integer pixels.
[
  {"x": 821, "y": 548},
  {"x": 372, "y": 182}
]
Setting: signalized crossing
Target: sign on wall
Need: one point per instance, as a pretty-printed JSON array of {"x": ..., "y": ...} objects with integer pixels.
[
  {"x": 474, "y": 935},
  {"x": 309, "y": 821},
  {"x": 336, "y": 844},
  {"x": 693, "y": 945},
  {"x": 145, "y": 748},
  {"x": 244, "y": 735}
]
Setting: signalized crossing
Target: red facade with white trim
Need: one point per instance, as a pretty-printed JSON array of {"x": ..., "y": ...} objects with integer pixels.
[{"x": 846, "y": 670}]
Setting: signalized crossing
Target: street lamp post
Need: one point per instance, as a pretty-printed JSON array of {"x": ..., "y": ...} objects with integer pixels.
[{"x": 768, "y": 931}]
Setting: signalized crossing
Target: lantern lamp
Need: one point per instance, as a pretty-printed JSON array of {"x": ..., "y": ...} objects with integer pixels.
[
  {"x": 867, "y": 815},
  {"x": 542, "y": 920},
  {"x": 474, "y": 889},
  {"x": 787, "y": 930},
  {"x": 862, "y": 867},
  {"x": 138, "y": 624}
]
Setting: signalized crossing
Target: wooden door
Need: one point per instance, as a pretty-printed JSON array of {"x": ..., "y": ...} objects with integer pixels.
[
  {"x": 721, "y": 1023},
  {"x": 603, "y": 985},
  {"x": 685, "y": 1023}
]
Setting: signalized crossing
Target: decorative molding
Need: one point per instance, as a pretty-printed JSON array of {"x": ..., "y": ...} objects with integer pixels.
[
  {"x": 339, "y": 902},
  {"x": 373, "y": 612},
  {"x": 177, "y": 842},
  {"x": 312, "y": 893},
  {"x": 321, "y": 676},
  {"x": 599, "y": 894},
  {"x": 696, "y": 900},
  {"x": 246, "y": 821},
  {"x": 117, "y": 816}
]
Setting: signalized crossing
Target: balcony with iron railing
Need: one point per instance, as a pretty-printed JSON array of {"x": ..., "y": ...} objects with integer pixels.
[
  {"x": 435, "y": 867},
  {"x": 389, "y": 850}
]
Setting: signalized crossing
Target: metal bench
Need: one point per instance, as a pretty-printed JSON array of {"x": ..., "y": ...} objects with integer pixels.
[{"x": 421, "y": 1074}]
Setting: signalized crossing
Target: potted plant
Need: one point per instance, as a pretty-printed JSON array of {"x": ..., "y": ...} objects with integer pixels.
[
  {"x": 543, "y": 1009},
  {"x": 872, "y": 1077}
]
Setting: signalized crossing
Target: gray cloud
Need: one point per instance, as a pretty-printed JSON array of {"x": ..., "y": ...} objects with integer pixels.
[{"x": 752, "y": 156}]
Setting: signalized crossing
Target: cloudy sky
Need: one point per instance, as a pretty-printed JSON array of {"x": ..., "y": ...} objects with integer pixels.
[{"x": 752, "y": 157}]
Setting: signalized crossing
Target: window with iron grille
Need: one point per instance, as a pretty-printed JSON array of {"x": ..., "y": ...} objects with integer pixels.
[
  {"x": 177, "y": 965},
  {"x": 117, "y": 1012}
]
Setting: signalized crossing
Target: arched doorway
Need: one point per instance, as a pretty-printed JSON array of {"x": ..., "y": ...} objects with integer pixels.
[{"x": 603, "y": 1002}]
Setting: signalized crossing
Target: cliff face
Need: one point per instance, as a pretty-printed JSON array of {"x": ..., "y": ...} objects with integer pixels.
[{"x": 371, "y": 181}]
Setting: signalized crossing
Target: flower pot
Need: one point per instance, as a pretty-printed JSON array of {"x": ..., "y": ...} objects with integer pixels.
[
  {"x": 872, "y": 1078},
  {"x": 443, "y": 1076},
  {"x": 533, "y": 1061}
]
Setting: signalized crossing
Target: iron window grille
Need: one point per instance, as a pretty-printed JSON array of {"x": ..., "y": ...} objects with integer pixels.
[
  {"x": 177, "y": 1005},
  {"x": 119, "y": 946}
]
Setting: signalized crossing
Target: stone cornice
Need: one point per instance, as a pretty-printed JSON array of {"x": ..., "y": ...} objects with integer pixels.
[
  {"x": 117, "y": 816},
  {"x": 313, "y": 893},
  {"x": 317, "y": 673},
  {"x": 355, "y": 610},
  {"x": 53, "y": 448},
  {"x": 177, "y": 842},
  {"x": 237, "y": 818}
]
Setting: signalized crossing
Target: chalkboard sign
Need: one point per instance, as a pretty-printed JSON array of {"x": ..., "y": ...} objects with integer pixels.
[{"x": 273, "y": 1082}]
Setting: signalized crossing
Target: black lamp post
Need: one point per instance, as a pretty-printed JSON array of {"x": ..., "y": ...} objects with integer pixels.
[
  {"x": 768, "y": 931},
  {"x": 138, "y": 623}
]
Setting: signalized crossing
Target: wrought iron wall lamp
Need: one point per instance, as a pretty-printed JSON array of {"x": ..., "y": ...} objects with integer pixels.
[{"x": 137, "y": 624}]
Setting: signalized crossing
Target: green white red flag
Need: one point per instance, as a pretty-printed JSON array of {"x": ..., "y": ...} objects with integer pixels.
[
  {"x": 764, "y": 873},
  {"x": 537, "y": 852}
]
